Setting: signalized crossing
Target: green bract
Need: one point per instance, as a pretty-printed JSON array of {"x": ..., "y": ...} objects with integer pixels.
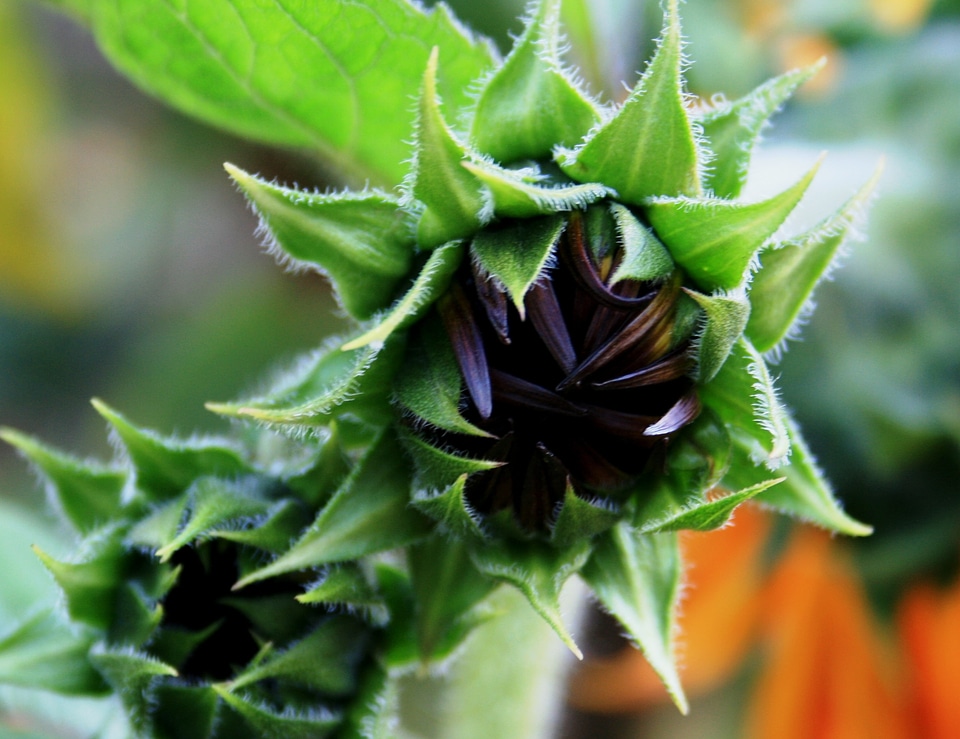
[{"x": 560, "y": 363}]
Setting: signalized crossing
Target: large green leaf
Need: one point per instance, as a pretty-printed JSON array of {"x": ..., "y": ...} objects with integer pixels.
[{"x": 330, "y": 76}]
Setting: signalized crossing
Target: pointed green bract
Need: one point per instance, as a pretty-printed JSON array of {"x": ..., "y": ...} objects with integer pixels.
[
  {"x": 743, "y": 395},
  {"x": 363, "y": 241},
  {"x": 331, "y": 78},
  {"x": 789, "y": 273},
  {"x": 708, "y": 515},
  {"x": 131, "y": 675},
  {"x": 636, "y": 578},
  {"x": 89, "y": 587},
  {"x": 648, "y": 149},
  {"x": 213, "y": 504},
  {"x": 523, "y": 194},
  {"x": 529, "y": 105},
  {"x": 42, "y": 653},
  {"x": 431, "y": 389},
  {"x": 538, "y": 571},
  {"x": 804, "y": 494},
  {"x": 733, "y": 129},
  {"x": 448, "y": 591},
  {"x": 431, "y": 283},
  {"x": 283, "y": 523},
  {"x": 325, "y": 385},
  {"x": 88, "y": 494},
  {"x": 725, "y": 317},
  {"x": 581, "y": 519},
  {"x": 348, "y": 586},
  {"x": 370, "y": 513},
  {"x": 455, "y": 202},
  {"x": 644, "y": 257},
  {"x": 325, "y": 661},
  {"x": 184, "y": 711},
  {"x": 516, "y": 254},
  {"x": 290, "y": 723},
  {"x": 437, "y": 469},
  {"x": 451, "y": 510},
  {"x": 716, "y": 240},
  {"x": 166, "y": 467}
]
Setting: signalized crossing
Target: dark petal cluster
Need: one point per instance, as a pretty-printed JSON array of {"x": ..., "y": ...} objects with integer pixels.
[{"x": 582, "y": 391}]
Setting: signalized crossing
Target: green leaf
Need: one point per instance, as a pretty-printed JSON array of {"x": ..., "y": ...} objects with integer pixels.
[
  {"x": 173, "y": 645},
  {"x": 132, "y": 676},
  {"x": 804, "y": 494},
  {"x": 521, "y": 193},
  {"x": 370, "y": 513},
  {"x": 708, "y": 515},
  {"x": 87, "y": 493},
  {"x": 430, "y": 284},
  {"x": 448, "y": 593},
  {"x": 537, "y": 570},
  {"x": 733, "y": 129},
  {"x": 581, "y": 519},
  {"x": 716, "y": 240},
  {"x": 451, "y": 510},
  {"x": 648, "y": 148},
  {"x": 516, "y": 253},
  {"x": 430, "y": 384},
  {"x": 43, "y": 654},
  {"x": 325, "y": 661},
  {"x": 636, "y": 577},
  {"x": 743, "y": 396},
  {"x": 643, "y": 257},
  {"x": 725, "y": 319},
  {"x": 455, "y": 203},
  {"x": 363, "y": 241},
  {"x": 789, "y": 273},
  {"x": 291, "y": 723},
  {"x": 332, "y": 77},
  {"x": 324, "y": 385},
  {"x": 213, "y": 503},
  {"x": 90, "y": 587},
  {"x": 529, "y": 105},
  {"x": 166, "y": 467}
]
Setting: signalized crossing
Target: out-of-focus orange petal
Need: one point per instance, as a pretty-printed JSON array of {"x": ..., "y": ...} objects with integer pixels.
[
  {"x": 717, "y": 621},
  {"x": 827, "y": 674},
  {"x": 929, "y": 627}
]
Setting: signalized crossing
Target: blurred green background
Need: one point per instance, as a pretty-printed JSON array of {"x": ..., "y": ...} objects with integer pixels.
[{"x": 130, "y": 268}]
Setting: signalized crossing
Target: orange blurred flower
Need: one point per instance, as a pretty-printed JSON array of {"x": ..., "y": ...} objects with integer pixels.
[
  {"x": 929, "y": 628},
  {"x": 827, "y": 673},
  {"x": 828, "y": 668}
]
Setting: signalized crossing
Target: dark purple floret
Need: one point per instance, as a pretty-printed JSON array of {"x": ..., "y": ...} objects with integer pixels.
[{"x": 583, "y": 393}]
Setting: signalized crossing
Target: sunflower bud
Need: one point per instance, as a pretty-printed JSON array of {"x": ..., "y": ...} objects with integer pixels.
[{"x": 579, "y": 387}]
